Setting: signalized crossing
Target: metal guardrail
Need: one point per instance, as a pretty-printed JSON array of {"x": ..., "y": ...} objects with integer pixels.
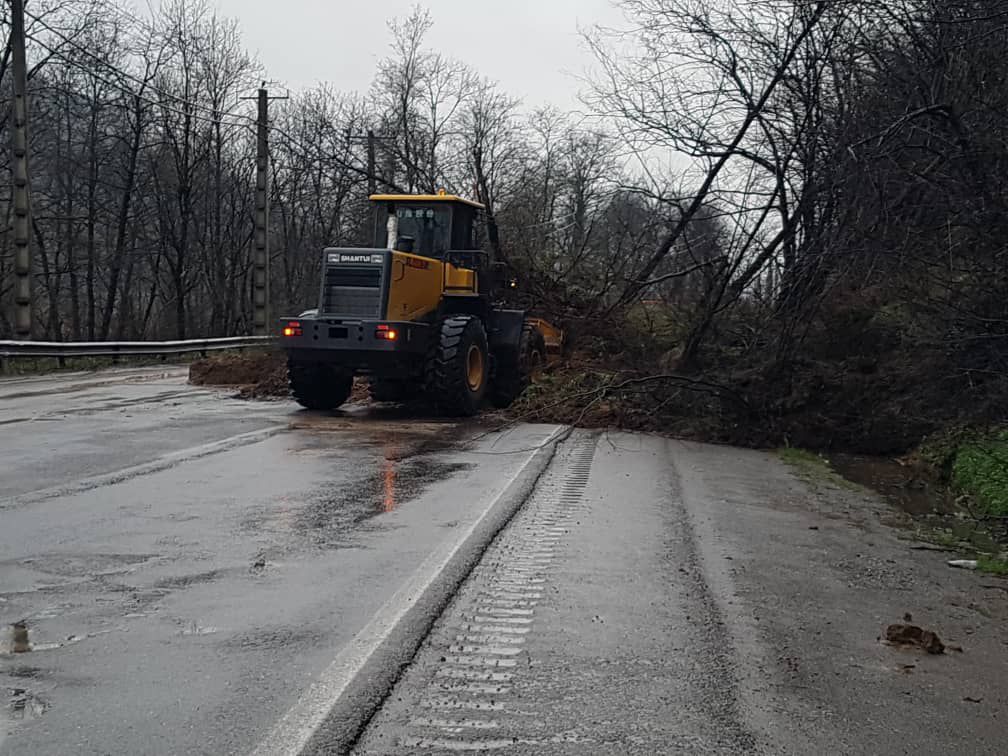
[{"x": 64, "y": 349}]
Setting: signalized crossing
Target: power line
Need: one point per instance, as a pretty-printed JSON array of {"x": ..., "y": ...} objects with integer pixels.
[
  {"x": 245, "y": 120},
  {"x": 124, "y": 74}
]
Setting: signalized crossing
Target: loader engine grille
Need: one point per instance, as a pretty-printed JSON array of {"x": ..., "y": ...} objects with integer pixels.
[{"x": 353, "y": 290}]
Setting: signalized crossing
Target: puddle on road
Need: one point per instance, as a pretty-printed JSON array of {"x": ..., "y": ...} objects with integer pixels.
[
  {"x": 401, "y": 468},
  {"x": 899, "y": 485},
  {"x": 330, "y": 514},
  {"x": 933, "y": 515}
]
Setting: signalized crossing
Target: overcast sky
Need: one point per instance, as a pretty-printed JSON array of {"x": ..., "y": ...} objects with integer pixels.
[{"x": 532, "y": 48}]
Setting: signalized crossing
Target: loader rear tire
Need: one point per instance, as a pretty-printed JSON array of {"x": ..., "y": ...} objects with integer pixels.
[
  {"x": 458, "y": 369},
  {"x": 514, "y": 377},
  {"x": 318, "y": 386}
]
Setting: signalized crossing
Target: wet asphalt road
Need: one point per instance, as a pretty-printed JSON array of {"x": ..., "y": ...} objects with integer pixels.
[
  {"x": 191, "y": 567},
  {"x": 663, "y": 597},
  {"x": 186, "y": 563}
]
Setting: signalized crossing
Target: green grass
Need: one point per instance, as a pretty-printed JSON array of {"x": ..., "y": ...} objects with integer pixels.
[
  {"x": 993, "y": 565},
  {"x": 942, "y": 537},
  {"x": 813, "y": 468},
  {"x": 801, "y": 458},
  {"x": 980, "y": 470}
]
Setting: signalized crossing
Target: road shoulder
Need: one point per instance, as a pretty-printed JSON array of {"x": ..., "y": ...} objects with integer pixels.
[{"x": 808, "y": 577}]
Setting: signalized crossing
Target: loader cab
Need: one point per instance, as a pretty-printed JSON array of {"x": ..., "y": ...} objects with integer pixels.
[{"x": 440, "y": 226}]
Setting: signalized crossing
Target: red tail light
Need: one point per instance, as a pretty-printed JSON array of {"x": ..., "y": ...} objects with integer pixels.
[
  {"x": 386, "y": 332},
  {"x": 292, "y": 329}
]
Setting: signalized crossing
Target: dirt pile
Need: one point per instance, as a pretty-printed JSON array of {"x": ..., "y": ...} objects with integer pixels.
[
  {"x": 864, "y": 389},
  {"x": 911, "y": 636},
  {"x": 258, "y": 375}
]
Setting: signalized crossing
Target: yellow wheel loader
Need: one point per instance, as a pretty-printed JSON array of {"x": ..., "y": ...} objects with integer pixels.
[{"x": 415, "y": 314}]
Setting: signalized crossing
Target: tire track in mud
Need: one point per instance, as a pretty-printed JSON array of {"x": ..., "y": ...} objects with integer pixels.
[{"x": 471, "y": 700}]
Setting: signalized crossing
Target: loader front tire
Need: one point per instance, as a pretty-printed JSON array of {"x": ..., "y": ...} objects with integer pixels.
[
  {"x": 458, "y": 372},
  {"x": 513, "y": 377}
]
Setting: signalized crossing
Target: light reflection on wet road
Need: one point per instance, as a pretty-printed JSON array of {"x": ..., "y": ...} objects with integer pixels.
[{"x": 223, "y": 554}]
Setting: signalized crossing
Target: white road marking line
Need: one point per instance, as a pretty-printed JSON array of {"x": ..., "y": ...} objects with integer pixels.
[
  {"x": 295, "y": 729},
  {"x": 147, "y": 468}
]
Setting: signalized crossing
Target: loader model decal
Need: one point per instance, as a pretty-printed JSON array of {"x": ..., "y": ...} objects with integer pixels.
[{"x": 358, "y": 259}]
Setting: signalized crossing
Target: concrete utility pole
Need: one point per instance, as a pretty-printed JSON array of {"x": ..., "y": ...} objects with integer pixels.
[
  {"x": 260, "y": 275},
  {"x": 261, "y": 258},
  {"x": 22, "y": 188},
  {"x": 371, "y": 140},
  {"x": 371, "y": 162}
]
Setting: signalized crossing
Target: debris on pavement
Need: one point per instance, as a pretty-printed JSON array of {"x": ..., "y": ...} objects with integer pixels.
[
  {"x": 257, "y": 375},
  {"x": 963, "y": 564},
  {"x": 19, "y": 638},
  {"x": 23, "y": 704},
  {"x": 911, "y": 635}
]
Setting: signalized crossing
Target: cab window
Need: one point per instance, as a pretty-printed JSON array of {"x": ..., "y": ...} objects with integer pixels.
[{"x": 429, "y": 226}]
